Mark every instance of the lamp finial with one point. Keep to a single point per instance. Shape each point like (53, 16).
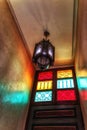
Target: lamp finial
(46, 33)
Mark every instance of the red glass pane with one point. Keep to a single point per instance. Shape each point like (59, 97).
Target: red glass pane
(66, 95)
(45, 75)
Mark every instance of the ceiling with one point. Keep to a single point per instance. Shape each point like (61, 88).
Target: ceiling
(57, 16)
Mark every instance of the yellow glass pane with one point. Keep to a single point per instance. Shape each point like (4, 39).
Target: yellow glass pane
(43, 85)
(64, 73)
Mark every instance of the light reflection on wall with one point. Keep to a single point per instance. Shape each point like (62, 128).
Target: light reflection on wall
(14, 93)
(16, 73)
(82, 83)
(16, 98)
(81, 75)
(82, 86)
(18, 82)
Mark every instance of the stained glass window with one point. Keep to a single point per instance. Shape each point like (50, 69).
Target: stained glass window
(43, 96)
(45, 75)
(65, 83)
(66, 95)
(65, 87)
(43, 85)
(64, 73)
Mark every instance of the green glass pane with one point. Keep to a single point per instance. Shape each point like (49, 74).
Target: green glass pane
(44, 96)
(65, 83)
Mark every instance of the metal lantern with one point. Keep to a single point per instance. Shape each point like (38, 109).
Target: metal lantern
(44, 53)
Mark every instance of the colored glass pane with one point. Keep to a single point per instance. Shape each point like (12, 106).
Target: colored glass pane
(43, 96)
(44, 85)
(64, 73)
(45, 75)
(66, 95)
(65, 83)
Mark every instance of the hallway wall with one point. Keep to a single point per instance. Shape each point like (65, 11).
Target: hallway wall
(81, 56)
(16, 73)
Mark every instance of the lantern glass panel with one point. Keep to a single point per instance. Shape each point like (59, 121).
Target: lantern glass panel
(38, 49)
(50, 51)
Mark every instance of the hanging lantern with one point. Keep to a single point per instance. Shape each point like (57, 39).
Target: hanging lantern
(44, 53)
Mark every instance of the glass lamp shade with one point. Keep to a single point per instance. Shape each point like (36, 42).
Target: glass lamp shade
(43, 54)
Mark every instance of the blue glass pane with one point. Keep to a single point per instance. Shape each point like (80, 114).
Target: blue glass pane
(65, 83)
(43, 96)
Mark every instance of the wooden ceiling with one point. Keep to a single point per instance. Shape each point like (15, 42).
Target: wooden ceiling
(57, 16)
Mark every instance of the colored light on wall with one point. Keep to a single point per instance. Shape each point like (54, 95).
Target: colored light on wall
(45, 75)
(14, 93)
(15, 86)
(44, 85)
(44, 96)
(83, 94)
(16, 98)
(26, 68)
(64, 73)
(65, 83)
(66, 95)
(82, 82)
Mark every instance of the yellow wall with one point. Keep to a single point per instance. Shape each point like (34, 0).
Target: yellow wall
(16, 73)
